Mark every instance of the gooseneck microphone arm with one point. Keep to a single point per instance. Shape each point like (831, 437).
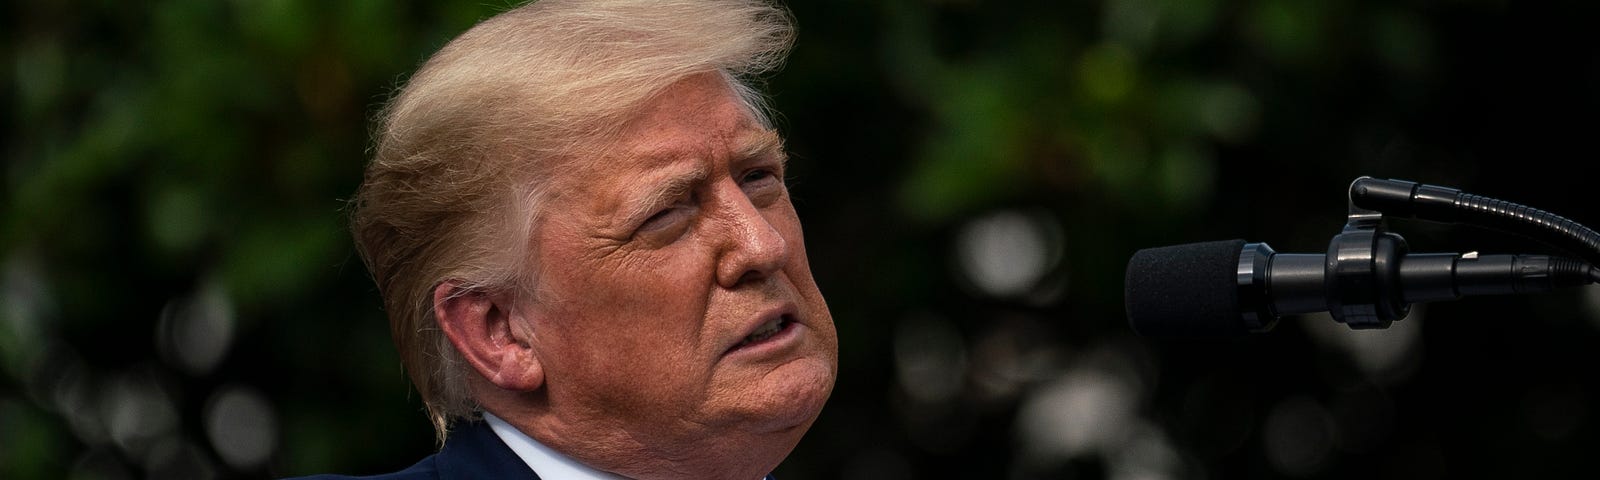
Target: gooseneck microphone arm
(1441, 204)
(1366, 279)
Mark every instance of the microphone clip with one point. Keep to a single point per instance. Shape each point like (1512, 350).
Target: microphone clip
(1362, 278)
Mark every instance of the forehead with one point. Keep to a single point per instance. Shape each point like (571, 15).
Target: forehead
(700, 110)
(699, 117)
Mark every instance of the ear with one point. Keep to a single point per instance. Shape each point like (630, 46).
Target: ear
(490, 334)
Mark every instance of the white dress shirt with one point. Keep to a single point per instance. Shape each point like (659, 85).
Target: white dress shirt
(549, 464)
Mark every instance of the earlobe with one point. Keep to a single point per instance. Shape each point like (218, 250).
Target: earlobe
(490, 334)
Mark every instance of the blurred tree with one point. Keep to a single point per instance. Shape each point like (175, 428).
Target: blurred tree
(179, 299)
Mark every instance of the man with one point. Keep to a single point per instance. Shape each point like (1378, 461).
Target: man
(577, 218)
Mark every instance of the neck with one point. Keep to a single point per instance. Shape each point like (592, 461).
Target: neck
(687, 453)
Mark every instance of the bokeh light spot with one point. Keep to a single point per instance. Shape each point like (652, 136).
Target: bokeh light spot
(1085, 411)
(137, 410)
(1007, 253)
(1147, 455)
(242, 426)
(195, 332)
(66, 385)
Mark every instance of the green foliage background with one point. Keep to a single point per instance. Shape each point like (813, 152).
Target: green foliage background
(164, 154)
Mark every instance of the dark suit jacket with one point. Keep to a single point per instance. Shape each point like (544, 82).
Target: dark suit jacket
(472, 451)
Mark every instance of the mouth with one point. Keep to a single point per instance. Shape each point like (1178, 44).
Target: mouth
(771, 332)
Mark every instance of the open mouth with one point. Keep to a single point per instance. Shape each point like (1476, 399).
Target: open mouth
(766, 331)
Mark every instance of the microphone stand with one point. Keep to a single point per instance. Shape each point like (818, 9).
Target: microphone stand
(1363, 260)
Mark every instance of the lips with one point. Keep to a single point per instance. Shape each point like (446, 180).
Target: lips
(770, 328)
(766, 331)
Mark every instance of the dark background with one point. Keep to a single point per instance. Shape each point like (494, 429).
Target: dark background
(179, 297)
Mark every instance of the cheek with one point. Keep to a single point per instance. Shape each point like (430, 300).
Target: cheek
(625, 361)
(619, 285)
(633, 315)
(655, 297)
(629, 332)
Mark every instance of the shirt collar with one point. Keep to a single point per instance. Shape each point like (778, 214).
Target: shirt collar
(549, 464)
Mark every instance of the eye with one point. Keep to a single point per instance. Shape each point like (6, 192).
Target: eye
(757, 175)
(663, 220)
(759, 178)
(762, 185)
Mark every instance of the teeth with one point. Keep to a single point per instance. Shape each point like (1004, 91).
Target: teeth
(766, 331)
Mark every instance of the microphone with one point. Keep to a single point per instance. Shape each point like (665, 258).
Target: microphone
(1230, 288)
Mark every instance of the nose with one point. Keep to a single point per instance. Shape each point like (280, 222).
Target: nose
(753, 248)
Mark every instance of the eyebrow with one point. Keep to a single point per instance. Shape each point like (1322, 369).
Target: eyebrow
(762, 144)
(665, 190)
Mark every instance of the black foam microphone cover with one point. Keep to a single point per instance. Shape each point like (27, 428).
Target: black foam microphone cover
(1185, 290)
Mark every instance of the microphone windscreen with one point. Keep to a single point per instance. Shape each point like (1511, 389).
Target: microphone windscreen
(1185, 290)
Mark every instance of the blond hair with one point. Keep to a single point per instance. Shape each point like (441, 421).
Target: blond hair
(453, 191)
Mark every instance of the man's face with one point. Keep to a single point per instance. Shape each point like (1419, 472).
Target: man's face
(675, 302)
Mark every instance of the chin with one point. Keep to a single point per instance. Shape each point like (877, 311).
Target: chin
(794, 395)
